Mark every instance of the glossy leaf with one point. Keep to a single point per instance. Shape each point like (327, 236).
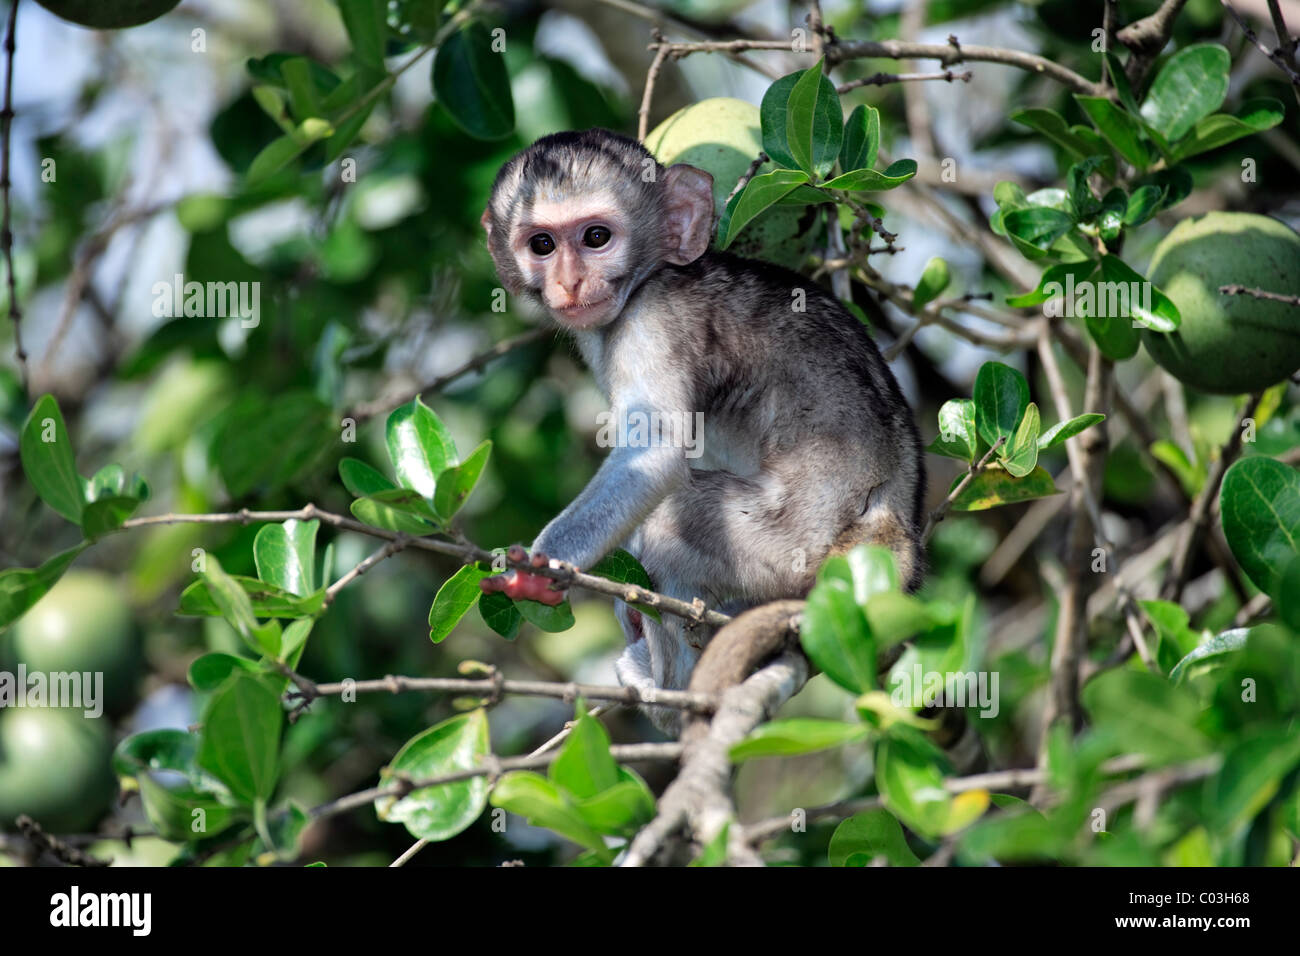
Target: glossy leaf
(419, 445)
(814, 122)
(50, 465)
(1001, 396)
(760, 193)
(458, 594)
(440, 812)
(1260, 504)
(456, 483)
(471, 83)
(1120, 129)
(285, 555)
(797, 735)
(861, 139)
(20, 588)
(993, 487)
(240, 740)
(934, 279)
(865, 836)
(1190, 86)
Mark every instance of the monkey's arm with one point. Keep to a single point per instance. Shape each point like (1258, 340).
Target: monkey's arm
(629, 484)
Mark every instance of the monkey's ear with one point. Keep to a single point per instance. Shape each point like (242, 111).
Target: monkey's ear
(486, 220)
(688, 213)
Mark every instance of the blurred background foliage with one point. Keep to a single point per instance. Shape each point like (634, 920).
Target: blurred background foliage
(379, 285)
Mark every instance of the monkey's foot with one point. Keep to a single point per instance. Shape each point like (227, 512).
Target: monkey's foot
(522, 586)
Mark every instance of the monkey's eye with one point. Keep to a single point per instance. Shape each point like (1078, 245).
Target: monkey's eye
(595, 237)
(542, 244)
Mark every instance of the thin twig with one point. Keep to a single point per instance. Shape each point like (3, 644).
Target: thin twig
(938, 513)
(560, 571)
(1260, 294)
(6, 227)
(884, 79)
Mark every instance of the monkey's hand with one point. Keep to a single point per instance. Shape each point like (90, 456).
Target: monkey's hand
(522, 586)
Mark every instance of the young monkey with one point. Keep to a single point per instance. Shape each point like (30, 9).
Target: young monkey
(807, 446)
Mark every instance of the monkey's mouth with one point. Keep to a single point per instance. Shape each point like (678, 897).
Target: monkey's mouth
(582, 312)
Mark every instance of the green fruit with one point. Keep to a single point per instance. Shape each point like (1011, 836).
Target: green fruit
(54, 767)
(83, 624)
(723, 136)
(1228, 343)
(108, 14)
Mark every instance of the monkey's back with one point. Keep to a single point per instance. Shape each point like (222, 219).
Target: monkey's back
(774, 348)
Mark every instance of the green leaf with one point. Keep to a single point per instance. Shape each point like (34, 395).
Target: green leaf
(1120, 129)
(1142, 205)
(441, 812)
(107, 514)
(1055, 281)
(1260, 504)
(1001, 396)
(861, 139)
(210, 671)
(621, 809)
(836, 638)
(1114, 335)
(859, 180)
(993, 487)
(46, 453)
(275, 156)
(402, 515)
(285, 555)
(772, 118)
(584, 766)
(957, 436)
(864, 837)
(621, 566)
(1252, 773)
(419, 445)
(1037, 226)
(236, 607)
(1191, 475)
(471, 83)
(1254, 116)
(797, 735)
(552, 618)
(20, 588)
(760, 193)
(541, 802)
(1146, 714)
(909, 776)
(456, 483)
(1059, 433)
(1221, 645)
(1119, 79)
(367, 26)
(361, 479)
(1020, 455)
(1190, 86)
(500, 614)
(240, 741)
(1176, 639)
(1084, 202)
(457, 595)
(814, 122)
(268, 600)
(1078, 140)
(934, 279)
(1159, 315)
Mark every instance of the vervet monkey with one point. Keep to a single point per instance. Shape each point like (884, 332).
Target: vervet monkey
(807, 446)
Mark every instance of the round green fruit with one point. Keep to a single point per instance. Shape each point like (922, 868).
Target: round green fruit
(1228, 343)
(54, 767)
(722, 136)
(108, 14)
(82, 624)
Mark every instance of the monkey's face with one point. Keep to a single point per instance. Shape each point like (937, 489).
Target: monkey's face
(575, 253)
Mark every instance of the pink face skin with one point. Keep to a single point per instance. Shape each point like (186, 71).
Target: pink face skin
(571, 255)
